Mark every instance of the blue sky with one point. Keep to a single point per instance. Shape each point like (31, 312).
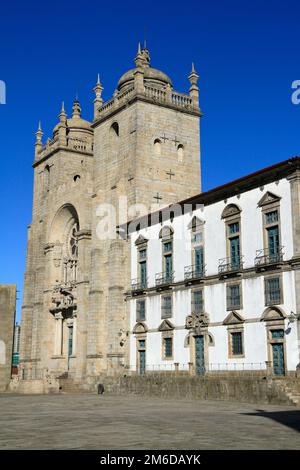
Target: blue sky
(246, 53)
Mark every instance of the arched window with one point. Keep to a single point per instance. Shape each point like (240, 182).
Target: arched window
(47, 178)
(180, 152)
(157, 147)
(115, 129)
(76, 178)
(114, 138)
(73, 240)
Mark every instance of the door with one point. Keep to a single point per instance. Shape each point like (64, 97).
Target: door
(199, 355)
(169, 267)
(235, 252)
(199, 260)
(273, 243)
(143, 274)
(70, 341)
(142, 357)
(278, 359)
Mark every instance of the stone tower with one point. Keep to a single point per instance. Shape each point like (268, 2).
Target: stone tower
(143, 147)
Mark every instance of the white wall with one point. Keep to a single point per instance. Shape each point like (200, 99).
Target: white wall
(255, 339)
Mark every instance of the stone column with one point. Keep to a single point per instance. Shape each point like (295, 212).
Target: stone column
(294, 180)
(82, 287)
(74, 334)
(58, 334)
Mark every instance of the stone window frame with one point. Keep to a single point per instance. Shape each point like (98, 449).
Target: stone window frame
(141, 244)
(138, 319)
(234, 307)
(170, 294)
(198, 289)
(273, 276)
(167, 238)
(274, 319)
(232, 214)
(140, 337)
(237, 328)
(165, 335)
(196, 226)
(269, 206)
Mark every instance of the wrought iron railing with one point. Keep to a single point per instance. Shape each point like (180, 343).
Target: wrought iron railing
(267, 256)
(138, 284)
(230, 264)
(194, 272)
(164, 278)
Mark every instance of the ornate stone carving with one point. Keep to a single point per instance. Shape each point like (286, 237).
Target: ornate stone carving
(197, 320)
(63, 298)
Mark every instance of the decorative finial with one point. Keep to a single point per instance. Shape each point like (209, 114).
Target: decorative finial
(139, 48)
(193, 77)
(76, 108)
(62, 115)
(98, 89)
(39, 134)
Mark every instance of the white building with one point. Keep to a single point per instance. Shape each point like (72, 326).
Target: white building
(216, 279)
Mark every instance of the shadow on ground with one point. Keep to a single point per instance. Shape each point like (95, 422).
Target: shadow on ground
(290, 419)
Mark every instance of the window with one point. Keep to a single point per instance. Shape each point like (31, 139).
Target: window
(272, 251)
(197, 246)
(142, 266)
(180, 152)
(232, 216)
(157, 147)
(273, 291)
(233, 228)
(166, 306)
(168, 260)
(73, 241)
(233, 297)
(236, 343)
(271, 217)
(167, 247)
(197, 301)
(141, 310)
(277, 334)
(168, 348)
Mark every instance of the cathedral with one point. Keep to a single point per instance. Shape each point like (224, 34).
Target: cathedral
(143, 145)
(132, 269)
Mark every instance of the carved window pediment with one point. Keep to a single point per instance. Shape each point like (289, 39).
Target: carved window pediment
(273, 313)
(166, 325)
(140, 327)
(268, 198)
(141, 240)
(230, 211)
(233, 318)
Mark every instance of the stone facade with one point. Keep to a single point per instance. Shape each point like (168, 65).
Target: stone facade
(7, 321)
(141, 146)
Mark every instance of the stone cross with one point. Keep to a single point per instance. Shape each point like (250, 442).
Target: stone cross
(170, 173)
(164, 137)
(157, 197)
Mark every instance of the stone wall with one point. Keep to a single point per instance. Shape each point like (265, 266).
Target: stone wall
(7, 321)
(241, 389)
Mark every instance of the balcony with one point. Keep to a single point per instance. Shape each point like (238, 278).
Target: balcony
(164, 279)
(138, 286)
(230, 266)
(268, 259)
(194, 273)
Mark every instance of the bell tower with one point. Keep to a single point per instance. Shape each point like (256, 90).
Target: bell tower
(147, 152)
